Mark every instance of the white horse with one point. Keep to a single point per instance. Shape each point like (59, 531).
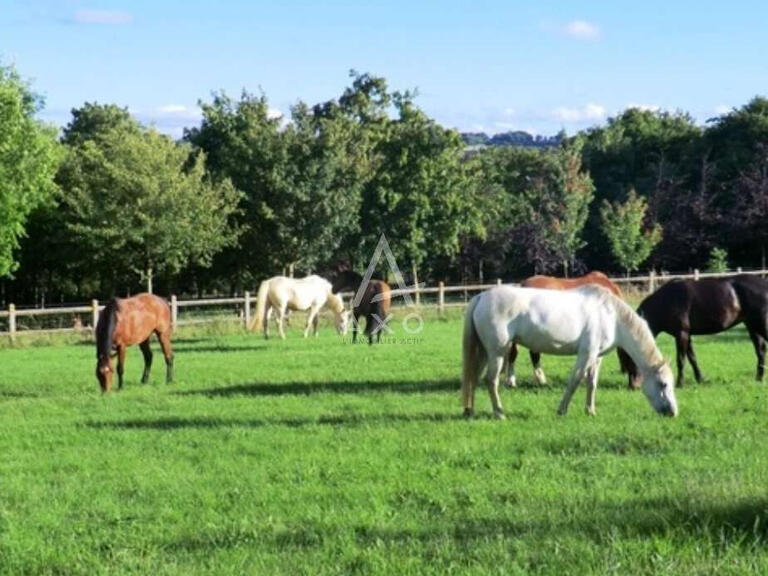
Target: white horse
(281, 293)
(586, 322)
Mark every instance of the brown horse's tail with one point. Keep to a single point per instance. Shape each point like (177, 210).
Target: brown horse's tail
(473, 356)
(261, 305)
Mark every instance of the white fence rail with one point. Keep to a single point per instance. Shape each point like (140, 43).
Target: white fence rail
(245, 303)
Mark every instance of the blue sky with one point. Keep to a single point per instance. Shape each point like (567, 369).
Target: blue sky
(488, 65)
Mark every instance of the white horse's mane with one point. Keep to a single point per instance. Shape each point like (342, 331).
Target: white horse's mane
(637, 327)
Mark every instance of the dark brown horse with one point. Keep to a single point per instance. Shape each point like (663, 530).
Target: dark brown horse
(374, 303)
(684, 308)
(127, 321)
(553, 283)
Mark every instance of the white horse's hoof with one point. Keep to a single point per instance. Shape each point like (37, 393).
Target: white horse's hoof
(591, 412)
(511, 382)
(499, 416)
(539, 375)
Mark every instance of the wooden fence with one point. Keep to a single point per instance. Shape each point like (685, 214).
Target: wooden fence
(244, 304)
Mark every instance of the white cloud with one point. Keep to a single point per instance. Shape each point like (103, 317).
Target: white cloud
(103, 17)
(273, 113)
(585, 113)
(722, 109)
(510, 112)
(645, 107)
(582, 30)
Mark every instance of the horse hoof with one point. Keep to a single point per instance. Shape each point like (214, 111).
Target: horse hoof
(468, 413)
(499, 415)
(511, 383)
(591, 412)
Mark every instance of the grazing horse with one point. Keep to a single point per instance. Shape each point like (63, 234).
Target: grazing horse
(587, 322)
(311, 293)
(552, 283)
(374, 303)
(683, 308)
(127, 321)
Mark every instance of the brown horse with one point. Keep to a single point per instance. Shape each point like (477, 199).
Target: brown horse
(374, 303)
(127, 321)
(552, 283)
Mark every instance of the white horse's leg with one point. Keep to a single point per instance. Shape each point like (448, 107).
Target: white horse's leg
(538, 373)
(267, 318)
(592, 371)
(577, 374)
(511, 358)
(311, 315)
(280, 317)
(316, 323)
(495, 366)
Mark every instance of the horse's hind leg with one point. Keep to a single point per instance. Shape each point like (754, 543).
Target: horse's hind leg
(538, 372)
(165, 344)
(120, 366)
(147, 352)
(681, 342)
(592, 372)
(689, 352)
(511, 381)
(577, 374)
(495, 366)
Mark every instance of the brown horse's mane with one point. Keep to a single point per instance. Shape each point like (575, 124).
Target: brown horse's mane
(105, 329)
(554, 283)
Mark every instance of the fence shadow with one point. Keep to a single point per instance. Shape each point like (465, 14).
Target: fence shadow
(205, 422)
(308, 388)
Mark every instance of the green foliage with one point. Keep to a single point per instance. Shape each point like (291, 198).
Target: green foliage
(718, 260)
(29, 156)
(135, 196)
(630, 242)
(253, 464)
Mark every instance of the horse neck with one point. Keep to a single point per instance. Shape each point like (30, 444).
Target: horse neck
(335, 302)
(634, 336)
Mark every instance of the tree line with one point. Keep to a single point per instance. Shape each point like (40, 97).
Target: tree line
(109, 206)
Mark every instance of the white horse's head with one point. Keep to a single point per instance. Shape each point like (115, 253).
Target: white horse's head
(342, 322)
(659, 388)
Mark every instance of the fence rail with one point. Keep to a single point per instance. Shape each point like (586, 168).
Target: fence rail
(245, 303)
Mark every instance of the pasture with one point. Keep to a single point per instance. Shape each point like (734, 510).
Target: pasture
(319, 457)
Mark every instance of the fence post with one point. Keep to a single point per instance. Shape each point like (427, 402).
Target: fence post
(174, 311)
(498, 281)
(94, 314)
(247, 309)
(696, 274)
(441, 298)
(12, 321)
(652, 282)
(738, 269)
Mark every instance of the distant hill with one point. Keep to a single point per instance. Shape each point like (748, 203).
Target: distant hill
(512, 138)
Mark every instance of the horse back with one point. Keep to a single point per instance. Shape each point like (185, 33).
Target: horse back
(139, 316)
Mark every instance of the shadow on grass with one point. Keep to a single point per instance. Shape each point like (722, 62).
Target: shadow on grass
(307, 388)
(182, 348)
(176, 423)
(11, 394)
(740, 524)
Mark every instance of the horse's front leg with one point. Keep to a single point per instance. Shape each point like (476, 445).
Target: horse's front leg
(310, 320)
(495, 367)
(280, 318)
(577, 374)
(120, 366)
(592, 372)
(267, 317)
(681, 343)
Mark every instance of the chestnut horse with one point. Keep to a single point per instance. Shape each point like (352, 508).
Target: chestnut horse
(552, 283)
(127, 321)
(373, 303)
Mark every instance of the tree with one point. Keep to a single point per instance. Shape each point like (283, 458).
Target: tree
(718, 260)
(133, 196)
(630, 243)
(29, 156)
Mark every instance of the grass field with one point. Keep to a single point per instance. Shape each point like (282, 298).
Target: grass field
(319, 457)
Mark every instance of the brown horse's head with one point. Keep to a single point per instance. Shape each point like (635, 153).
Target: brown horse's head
(104, 373)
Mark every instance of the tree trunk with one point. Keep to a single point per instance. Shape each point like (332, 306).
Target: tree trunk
(290, 269)
(149, 279)
(481, 271)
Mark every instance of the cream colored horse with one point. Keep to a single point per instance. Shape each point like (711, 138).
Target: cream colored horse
(281, 293)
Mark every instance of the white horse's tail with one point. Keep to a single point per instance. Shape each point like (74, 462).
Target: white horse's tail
(261, 306)
(473, 356)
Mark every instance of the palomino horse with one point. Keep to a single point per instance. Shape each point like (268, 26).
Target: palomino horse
(587, 322)
(708, 306)
(127, 321)
(311, 293)
(552, 283)
(373, 303)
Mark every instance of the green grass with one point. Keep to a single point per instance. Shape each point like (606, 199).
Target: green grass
(319, 457)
